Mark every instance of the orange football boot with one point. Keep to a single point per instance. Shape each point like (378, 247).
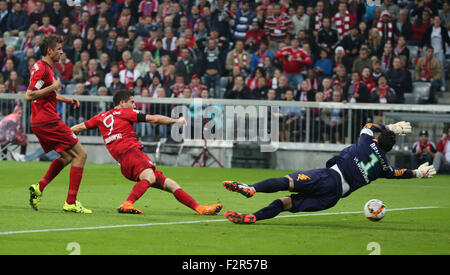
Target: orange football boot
(128, 208)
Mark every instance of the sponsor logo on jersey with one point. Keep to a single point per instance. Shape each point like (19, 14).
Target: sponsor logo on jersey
(303, 177)
(112, 138)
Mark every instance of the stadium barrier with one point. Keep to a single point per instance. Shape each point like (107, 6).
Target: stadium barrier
(276, 126)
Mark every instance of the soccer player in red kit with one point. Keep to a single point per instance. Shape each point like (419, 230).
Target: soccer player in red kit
(51, 131)
(116, 126)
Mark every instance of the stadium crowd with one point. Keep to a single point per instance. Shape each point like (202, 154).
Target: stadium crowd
(301, 50)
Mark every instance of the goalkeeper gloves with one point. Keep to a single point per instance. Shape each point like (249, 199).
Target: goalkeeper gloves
(425, 171)
(400, 128)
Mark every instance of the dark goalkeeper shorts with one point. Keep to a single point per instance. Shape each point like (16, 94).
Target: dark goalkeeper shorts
(317, 189)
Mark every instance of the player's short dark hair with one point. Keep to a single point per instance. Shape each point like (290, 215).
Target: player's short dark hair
(121, 95)
(386, 140)
(49, 42)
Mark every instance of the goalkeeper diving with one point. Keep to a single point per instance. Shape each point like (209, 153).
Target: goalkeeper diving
(320, 189)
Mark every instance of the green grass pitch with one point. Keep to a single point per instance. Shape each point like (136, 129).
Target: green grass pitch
(168, 227)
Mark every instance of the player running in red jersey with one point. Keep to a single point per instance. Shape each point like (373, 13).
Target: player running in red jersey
(51, 131)
(116, 126)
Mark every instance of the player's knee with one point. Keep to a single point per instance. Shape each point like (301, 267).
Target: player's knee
(287, 203)
(171, 185)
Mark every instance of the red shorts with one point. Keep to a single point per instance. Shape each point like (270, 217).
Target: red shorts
(55, 136)
(134, 162)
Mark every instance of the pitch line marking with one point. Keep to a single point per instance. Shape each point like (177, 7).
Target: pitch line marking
(193, 222)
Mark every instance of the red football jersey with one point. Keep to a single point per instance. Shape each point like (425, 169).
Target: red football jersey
(43, 110)
(116, 126)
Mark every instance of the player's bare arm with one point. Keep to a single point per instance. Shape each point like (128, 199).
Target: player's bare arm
(36, 94)
(76, 129)
(75, 103)
(163, 120)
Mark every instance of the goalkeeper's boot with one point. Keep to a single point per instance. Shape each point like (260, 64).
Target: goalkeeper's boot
(35, 196)
(128, 208)
(236, 186)
(77, 207)
(236, 217)
(209, 209)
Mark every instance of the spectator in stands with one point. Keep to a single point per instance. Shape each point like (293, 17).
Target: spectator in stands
(444, 14)
(196, 86)
(278, 27)
(7, 69)
(323, 65)
(13, 82)
(376, 70)
(293, 59)
(305, 92)
(65, 68)
(385, 27)
(92, 70)
(387, 58)
(342, 20)
(130, 74)
(428, 69)
(367, 79)
(213, 70)
(375, 42)
(239, 90)
(362, 61)
(383, 93)
(423, 150)
(342, 77)
(341, 58)
(116, 84)
(438, 38)
(326, 89)
(177, 88)
(441, 159)
(81, 67)
(9, 55)
(399, 79)
(401, 48)
(238, 57)
(402, 25)
(17, 23)
(158, 52)
(327, 36)
(243, 20)
(4, 13)
(46, 27)
(253, 37)
(351, 42)
(333, 119)
(186, 66)
(291, 116)
(300, 20)
(357, 90)
(74, 54)
(419, 28)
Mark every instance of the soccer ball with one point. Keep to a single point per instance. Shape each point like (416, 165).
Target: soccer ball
(374, 210)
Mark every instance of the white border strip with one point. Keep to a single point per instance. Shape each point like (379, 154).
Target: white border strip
(193, 222)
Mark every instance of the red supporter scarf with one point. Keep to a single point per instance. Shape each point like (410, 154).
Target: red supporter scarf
(342, 23)
(236, 59)
(427, 69)
(381, 26)
(428, 145)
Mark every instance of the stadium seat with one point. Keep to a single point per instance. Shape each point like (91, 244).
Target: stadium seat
(11, 41)
(422, 90)
(70, 89)
(411, 98)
